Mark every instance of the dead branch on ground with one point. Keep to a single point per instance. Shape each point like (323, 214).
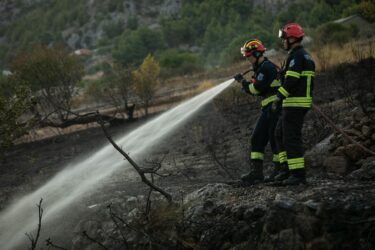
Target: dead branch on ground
(49, 243)
(142, 172)
(84, 233)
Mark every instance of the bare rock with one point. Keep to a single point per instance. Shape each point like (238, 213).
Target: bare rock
(357, 115)
(370, 97)
(307, 226)
(322, 149)
(366, 131)
(284, 202)
(340, 151)
(289, 239)
(217, 191)
(319, 244)
(336, 164)
(367, 143)
(373, 137)
(367, 170)
(353, 132)
(354, 152)
(365, 121)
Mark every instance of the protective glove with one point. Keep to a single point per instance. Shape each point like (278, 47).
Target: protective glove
(276, 104)
(239, 77)
(245, 86)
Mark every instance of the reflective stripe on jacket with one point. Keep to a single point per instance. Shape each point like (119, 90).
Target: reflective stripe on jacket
(298, 82)
(265, 83)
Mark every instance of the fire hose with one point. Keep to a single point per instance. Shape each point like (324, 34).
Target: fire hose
(317, 110)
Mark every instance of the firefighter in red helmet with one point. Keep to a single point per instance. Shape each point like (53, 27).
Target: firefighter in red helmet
(263, 84)
(295, 98)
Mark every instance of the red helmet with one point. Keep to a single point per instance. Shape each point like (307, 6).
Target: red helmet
(252, 46)
(291, 30)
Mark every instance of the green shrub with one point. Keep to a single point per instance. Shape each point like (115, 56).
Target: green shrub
(113, 28)
(334, 33)
(132, 48)
(179, 62)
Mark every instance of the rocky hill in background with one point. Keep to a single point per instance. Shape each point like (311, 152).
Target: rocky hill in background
(93, 16)
(183, 35)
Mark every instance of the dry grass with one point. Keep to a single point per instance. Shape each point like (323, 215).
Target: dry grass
(203, 86)
(330, 55)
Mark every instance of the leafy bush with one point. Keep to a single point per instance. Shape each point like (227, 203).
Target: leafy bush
(132, 22)
(335, 33)
(113, 28)
(179, 62)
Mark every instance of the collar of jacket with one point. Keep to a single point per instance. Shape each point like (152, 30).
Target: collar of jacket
(260, 65)
(295, 49)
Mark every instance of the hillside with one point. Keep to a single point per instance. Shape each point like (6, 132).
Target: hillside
(117, 28)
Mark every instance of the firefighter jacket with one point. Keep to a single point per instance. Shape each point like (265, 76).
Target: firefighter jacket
(264, 82)
(298, 80)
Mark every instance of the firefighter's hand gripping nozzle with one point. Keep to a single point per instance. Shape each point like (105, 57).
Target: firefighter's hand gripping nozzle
(239, 77)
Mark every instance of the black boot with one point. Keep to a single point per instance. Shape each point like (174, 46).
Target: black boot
(255, 175)
(296, 177)
(275, 172)
(283, 173)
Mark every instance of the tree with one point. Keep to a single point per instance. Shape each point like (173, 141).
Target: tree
(118, 88)
(124, 84)
(147, 81)
(133, 47)
(15, 101)
(52, 73)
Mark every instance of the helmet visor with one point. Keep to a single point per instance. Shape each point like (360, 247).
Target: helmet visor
(245, 52)
(281, 34)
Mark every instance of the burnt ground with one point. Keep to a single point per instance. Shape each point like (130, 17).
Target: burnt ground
(211, 148)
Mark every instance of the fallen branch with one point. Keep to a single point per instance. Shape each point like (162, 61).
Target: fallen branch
(84, 233)
(80, 119)
(139, 170)
(49, 243)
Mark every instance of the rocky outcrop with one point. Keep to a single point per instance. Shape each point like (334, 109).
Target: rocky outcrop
(328, 215)
(340, 156)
